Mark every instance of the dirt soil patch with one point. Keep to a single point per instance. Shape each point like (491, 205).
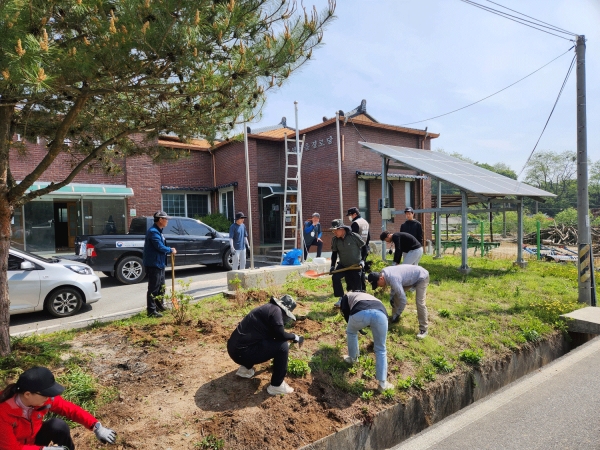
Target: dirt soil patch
(177, 386)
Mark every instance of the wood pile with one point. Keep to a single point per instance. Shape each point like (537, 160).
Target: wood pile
(562, 235)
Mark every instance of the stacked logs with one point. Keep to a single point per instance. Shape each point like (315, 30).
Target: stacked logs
(562, 235)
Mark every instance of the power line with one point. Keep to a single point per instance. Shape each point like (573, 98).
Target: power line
(553, 107)
(491, 95)
(537, 20)
(517, 19)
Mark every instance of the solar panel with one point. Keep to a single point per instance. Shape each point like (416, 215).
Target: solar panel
(462, 174)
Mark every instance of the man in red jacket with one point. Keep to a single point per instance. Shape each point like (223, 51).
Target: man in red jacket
(23, 406)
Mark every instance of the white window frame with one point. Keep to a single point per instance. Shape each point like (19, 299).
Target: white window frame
(407, 193)
(223, 207)
(185, 199)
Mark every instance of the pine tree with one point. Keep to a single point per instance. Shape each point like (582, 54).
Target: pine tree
(93, 73)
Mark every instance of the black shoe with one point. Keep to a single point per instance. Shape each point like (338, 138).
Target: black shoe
(161, 306)
(155, 314)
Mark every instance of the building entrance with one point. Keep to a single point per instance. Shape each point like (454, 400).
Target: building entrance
(270, 218)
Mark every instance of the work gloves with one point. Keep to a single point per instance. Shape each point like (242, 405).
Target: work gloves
(104, 435)
(362, 264)
(56, 447)
(331, 269)
(299, 340)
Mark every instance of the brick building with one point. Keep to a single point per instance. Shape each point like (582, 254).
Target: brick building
(213, 179)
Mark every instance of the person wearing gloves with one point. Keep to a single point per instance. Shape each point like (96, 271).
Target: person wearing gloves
(363, 310)
(398, 278)
(312, 235)
(261, 336)
(23, 406)
(348, 247)
(405, 245)
(238, 240)
(155, 262)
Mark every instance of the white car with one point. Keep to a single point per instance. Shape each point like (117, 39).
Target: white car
(59, 286)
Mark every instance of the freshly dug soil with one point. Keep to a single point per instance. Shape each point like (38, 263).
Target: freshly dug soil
(177, 387)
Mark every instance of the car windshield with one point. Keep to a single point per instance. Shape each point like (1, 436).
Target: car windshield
(52, 259)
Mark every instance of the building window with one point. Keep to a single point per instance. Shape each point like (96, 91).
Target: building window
(408, 194)
(363, 200)
(226, 206)
(186, 205)
(390, 197)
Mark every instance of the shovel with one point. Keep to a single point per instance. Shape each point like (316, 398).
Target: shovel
(173, 298)
(315, 274)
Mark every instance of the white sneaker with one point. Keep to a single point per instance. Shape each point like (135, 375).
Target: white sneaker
(383, 385)
(350, 360)
(422, 334)
(280, 390)
(245, 373)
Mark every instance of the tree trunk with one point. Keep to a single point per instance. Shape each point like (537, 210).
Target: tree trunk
(6, 115)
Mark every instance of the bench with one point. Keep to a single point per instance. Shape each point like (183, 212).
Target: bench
(471, 243)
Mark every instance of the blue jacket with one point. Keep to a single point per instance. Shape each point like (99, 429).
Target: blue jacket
(155, 250)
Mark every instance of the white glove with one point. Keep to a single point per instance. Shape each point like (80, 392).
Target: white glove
(104, 435)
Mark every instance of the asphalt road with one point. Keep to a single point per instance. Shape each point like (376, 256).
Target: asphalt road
(119, 301)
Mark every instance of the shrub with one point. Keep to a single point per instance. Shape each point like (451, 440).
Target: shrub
(216, 220)
(441, 364)
(471, 356)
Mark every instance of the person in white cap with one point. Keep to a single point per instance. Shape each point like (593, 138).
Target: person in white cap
(260, 337)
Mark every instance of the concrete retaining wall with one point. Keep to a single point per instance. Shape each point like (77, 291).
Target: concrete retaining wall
(431, 405)
(267, 276)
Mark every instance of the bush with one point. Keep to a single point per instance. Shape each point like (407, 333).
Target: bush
(298, 368)
(469, 356)
(216, 220)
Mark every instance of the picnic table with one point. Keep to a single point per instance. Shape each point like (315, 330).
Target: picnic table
(471, 243)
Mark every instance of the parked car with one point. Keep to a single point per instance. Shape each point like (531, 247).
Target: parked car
(120, 256)
(59, 286)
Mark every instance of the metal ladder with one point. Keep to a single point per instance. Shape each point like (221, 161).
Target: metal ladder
(292, 200)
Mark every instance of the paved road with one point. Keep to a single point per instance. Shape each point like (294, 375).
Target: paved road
(555, 407)
(119, 300)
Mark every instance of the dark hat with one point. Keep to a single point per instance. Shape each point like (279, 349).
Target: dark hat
(373, 278)
(408, 209)
(161, 215)
(287, 303)
(239, 215)
(40, 381)
(316, 215)
(384, 234)
(337, 223)
(353, 210)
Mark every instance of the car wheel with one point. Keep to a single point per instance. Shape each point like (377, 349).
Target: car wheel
(227, 260)
(108, 274)
(130, 270)
(63, 302)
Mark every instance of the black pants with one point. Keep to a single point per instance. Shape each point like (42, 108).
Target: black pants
(308, 245)
(156, 287)
(263, 352)
(353, 281)
(56, 431)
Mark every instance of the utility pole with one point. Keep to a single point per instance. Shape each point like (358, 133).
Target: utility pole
(585, 264)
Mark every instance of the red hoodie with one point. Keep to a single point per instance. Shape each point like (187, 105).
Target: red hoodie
(18, 433)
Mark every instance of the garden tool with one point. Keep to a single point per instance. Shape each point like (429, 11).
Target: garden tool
(315, 274)
(173, 298)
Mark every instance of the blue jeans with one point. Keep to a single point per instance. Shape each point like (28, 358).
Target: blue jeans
(379, 324)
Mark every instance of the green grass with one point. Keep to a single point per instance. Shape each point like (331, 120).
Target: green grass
(495, 309)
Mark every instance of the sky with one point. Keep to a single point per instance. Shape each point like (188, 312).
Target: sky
(416, 59)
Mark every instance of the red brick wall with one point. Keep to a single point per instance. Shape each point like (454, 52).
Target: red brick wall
(143, 176)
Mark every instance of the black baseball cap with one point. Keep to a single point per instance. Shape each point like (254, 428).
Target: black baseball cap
(408, 209)
(373, 278)
(239, 215)
(353, 210)
(39, 380)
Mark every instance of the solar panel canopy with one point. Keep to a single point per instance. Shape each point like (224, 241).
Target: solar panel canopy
(462, 174)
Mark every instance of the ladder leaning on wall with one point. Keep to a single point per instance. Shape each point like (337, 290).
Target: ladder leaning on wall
(291, 230)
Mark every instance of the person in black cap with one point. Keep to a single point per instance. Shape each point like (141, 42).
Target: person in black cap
(348, 246)
(405, 246)
(361, 227)
(155, 262)
(412, 226)
(23, 406)
(238, 241)
(261, 336)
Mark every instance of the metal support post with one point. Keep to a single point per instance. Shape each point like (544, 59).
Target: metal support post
(249, 196)
(383, 196)
(464, 268)
(438, 215)
(520, 261)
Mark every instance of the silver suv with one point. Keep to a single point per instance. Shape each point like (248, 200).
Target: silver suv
(59, 286)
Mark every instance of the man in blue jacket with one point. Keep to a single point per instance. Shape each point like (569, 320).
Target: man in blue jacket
(312, 235)
(155, 261)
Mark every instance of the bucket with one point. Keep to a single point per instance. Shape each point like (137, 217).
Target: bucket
(319, 260)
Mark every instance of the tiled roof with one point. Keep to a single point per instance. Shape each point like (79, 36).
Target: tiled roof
(175, 142)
